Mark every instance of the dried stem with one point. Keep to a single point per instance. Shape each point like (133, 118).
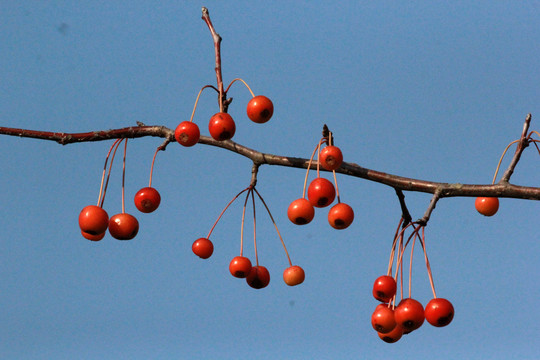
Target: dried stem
(522, 144)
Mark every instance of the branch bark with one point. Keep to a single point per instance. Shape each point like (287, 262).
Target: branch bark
(503, 189)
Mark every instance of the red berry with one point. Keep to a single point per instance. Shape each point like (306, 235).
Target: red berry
(321, 192)
(294, 275)
(340, 216)
(382, 319)
(384, 288)
(301, 212)
(147, 199)
(123, 226)
(260, 109)
(187, 133)
(203, 248)
(222, 126)
(331, 157)
(240, 266)
(93, 237)
(93, 220)
(392, 336)
(409, 314)
(258, 277)
(487, 206)
(439, 312)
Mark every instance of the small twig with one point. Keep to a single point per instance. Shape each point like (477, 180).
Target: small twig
(432, 204)
(254, 171)
(522, 144)
(406, 216)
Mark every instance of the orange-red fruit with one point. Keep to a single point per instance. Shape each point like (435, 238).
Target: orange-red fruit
(439, 312)
(187, 133)
(203, 248)
(392, 336)
(340, 216)
(221, 126)
(331, 157)
(123, 226)
(487, 206)
(384, 288)
(147, 199)
(93, 220)
(301, 212)
(260, 109)
(409, 314)
(240, 266)
(382, 319)
(321, 192)
(258, 277)
(294, 275)
(93, 237)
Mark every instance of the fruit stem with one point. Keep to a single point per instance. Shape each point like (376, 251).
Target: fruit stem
(393, 251)
(124, 177)
(337, 189)
(275, 225)
(152, 166)
(254, 228)
(501, 159)
(197, 100)
(307, 171)
(223, 211)
(99, 203)
(118, 142)
(242, 225)
(239, 79)
(428, 266)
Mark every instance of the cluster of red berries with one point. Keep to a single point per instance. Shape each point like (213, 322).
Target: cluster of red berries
(222, 126)
(257, 276)
(391, 322)
(94, 220)
(321, 192)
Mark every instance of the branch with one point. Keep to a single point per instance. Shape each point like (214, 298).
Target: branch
(501, 190)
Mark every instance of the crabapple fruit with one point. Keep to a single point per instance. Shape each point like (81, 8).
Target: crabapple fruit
(147, 199)
(240, 266)
(382, 319)
(331, 157)
(258, 277)
(123, 226)
(91, 237)
(392, 336)
(93, 220)
(187, 133)
(409, 314)
(301, 212)
(221, 126)
(439, 312)
(340, 216)
(203, 248)
(487, 206)
(321, 192)
(260, 109)
(294, 275)
(384, 288)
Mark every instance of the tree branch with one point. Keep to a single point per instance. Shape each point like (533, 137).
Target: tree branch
(501, 190)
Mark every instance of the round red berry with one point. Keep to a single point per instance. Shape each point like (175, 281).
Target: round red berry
(384, 288)
(301, 212)
(392, 336)
(439, 312)
(321, 192)
(221, 126)
(382, 319)
(147, 199)
(340, 216)
(203, 248)
(240, 266)
(294, 275)
(409, 314)
(91, 237)
(487, 206)
(260, 109)
(123, 226)
(331, 157)
(93, 220)
(258, 277)
(187, 133)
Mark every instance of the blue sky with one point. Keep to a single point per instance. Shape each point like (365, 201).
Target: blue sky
(430, 90)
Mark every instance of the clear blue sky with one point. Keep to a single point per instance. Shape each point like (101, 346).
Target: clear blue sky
(426, 90)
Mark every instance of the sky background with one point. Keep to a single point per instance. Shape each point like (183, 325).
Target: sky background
(429, 90)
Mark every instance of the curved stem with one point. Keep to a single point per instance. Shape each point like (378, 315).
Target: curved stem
(223, 211)
(245, 83)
